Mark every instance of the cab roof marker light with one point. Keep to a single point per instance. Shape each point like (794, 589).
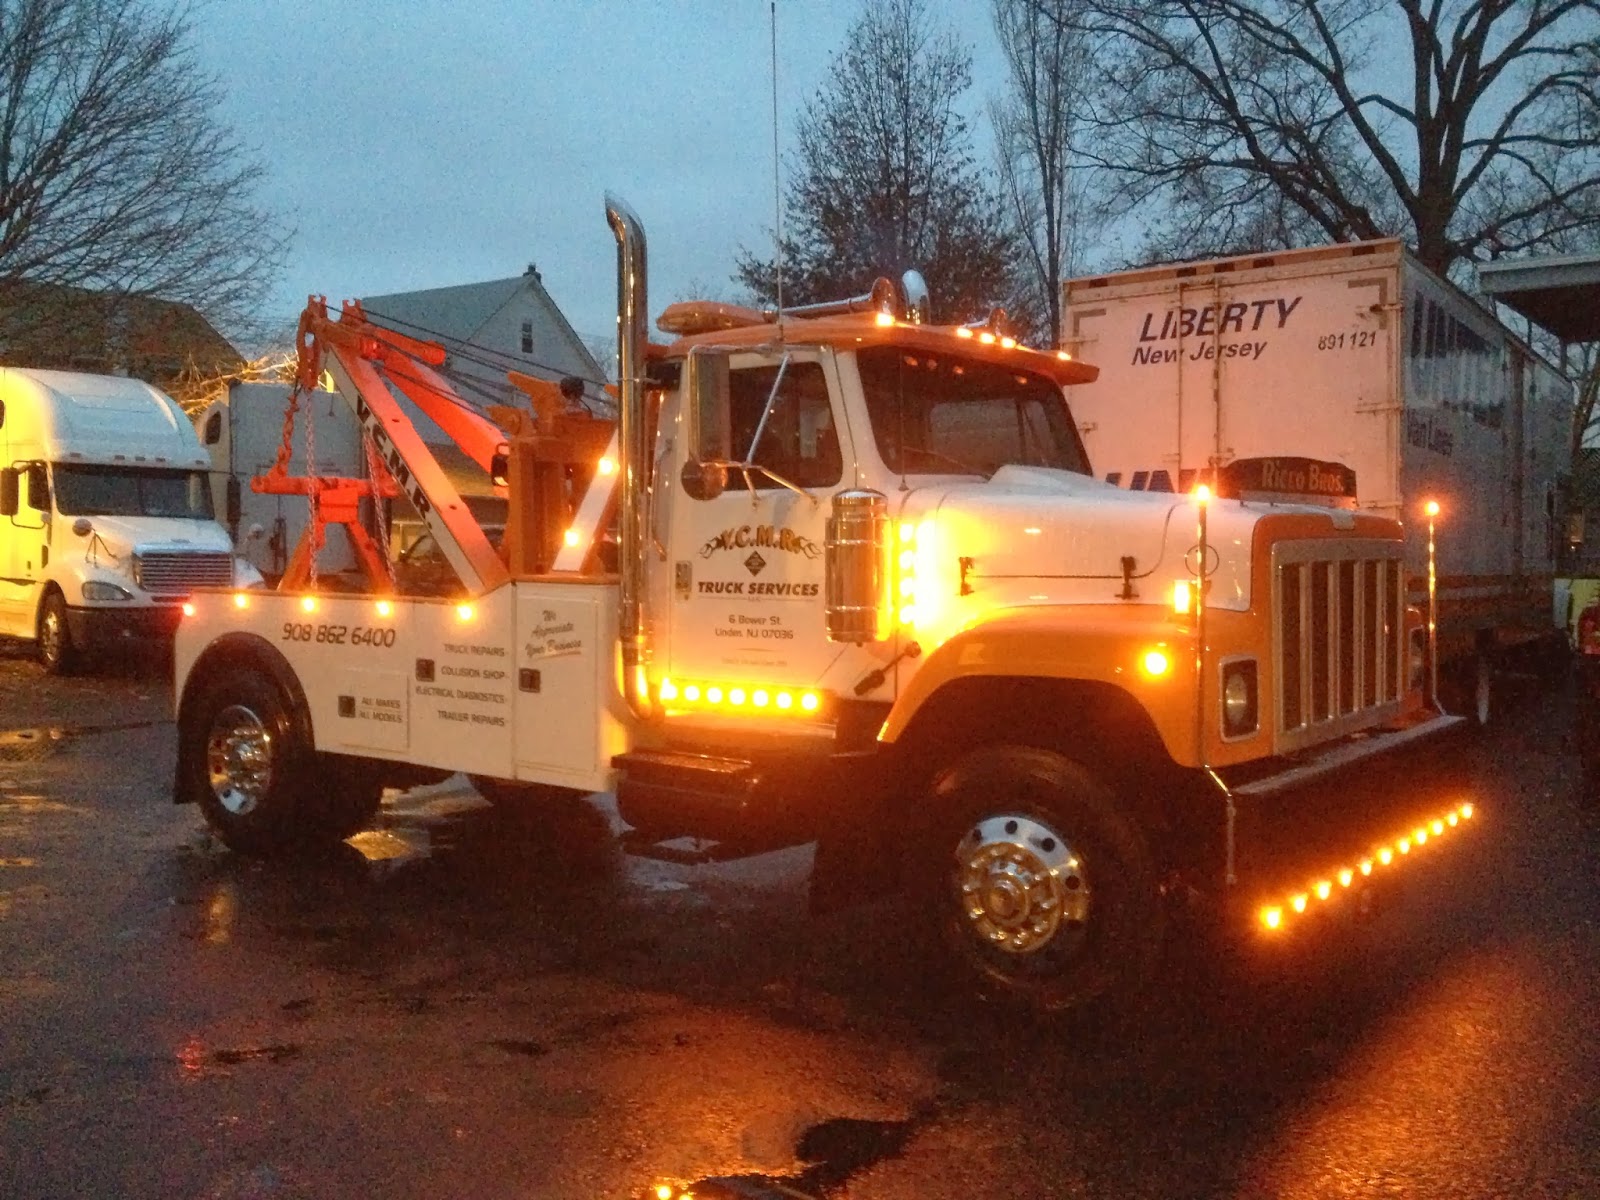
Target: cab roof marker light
(987, 338)
(1466, 811)
(963, 332)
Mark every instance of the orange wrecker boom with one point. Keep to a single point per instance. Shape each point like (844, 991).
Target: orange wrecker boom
(531, 457)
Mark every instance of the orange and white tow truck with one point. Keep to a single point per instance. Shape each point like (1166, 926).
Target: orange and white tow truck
(865, 593)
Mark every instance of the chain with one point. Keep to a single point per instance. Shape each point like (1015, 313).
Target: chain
(311, 494)
(380, 527)
(286, 447)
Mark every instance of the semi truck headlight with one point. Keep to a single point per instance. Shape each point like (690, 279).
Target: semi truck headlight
(1240, 707)
(98, 591)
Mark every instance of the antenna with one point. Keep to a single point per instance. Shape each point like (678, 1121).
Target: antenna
(777, 173)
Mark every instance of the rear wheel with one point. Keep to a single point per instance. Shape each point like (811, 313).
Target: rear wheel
(258, 782)
(57, 653)
(1043, 890)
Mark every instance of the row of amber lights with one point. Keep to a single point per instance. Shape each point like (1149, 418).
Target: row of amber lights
(309, 604)
(1272, 916)
(913, 538)
(733, 695)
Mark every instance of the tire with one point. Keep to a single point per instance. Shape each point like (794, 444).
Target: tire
(1043, 893)
(250, 765)
(57, 654)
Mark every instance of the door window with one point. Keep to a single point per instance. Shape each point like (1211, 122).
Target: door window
(798, 440)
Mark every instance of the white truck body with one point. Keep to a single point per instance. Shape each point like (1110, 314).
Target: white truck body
(1350, 353)
(242, 435)
(110, 522)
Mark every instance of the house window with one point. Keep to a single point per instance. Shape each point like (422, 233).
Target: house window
(527, 337)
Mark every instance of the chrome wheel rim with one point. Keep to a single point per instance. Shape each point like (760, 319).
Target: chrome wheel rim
(50, 635)
(238, 759)
(1021, 886)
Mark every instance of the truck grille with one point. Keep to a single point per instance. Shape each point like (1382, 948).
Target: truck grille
(175, 572)
(1338, 622)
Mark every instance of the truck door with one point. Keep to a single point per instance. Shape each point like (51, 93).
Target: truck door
(746, 563)
(22, 543)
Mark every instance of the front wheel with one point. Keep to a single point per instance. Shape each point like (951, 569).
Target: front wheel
(57, 653)
(1043, 890)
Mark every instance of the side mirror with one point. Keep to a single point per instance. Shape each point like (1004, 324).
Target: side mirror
(707, 408)
(81, 527)
(8, 491)
(38, 487)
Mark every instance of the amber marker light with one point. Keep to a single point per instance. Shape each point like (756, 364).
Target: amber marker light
(385, 608)
(1063, 356)
(570, 537)
(240, 600)
(1324, 890)
(809, 701)
(736, 696)
(663, 1192)
(1454, 819)
(608, 466)
(1405, 846)
(1009, 343)
(1431, 508)
(714, 695)
(464, 611)
(1202, 494)
(1181, 597)
(1466, 812)
(188, 610)
(691, 692)
(884, 320)
(963, 332)
(1346, 877)
(785, 701)
(1272, 916)
(986, 338)
(1156, 663)
(759, 698)
(1386, 856)
(1299, 902)
(308, 604)
(1366, 866)
(669, 690)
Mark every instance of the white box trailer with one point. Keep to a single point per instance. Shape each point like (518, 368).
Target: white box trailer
(1356, 354)
(242, 435)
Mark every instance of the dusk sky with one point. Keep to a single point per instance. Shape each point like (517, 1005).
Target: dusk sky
(420, 144)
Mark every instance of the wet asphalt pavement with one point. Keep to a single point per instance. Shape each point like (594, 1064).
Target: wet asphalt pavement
(470, 1003)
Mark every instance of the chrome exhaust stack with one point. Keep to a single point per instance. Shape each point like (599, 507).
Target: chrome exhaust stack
(632, 336)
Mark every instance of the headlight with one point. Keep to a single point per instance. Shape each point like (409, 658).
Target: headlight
(1240, 710)
(1416, 661)
(100, 591)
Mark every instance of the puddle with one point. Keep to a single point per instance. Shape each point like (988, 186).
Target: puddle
(836, 1149)
(196, 1062)
(28, 745)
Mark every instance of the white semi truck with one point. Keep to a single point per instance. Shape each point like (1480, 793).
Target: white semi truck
(864, 592)
(106, 522)
(1353, 353)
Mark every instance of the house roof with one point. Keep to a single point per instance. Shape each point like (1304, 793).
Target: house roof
(57, 325)
(1560, 294)
(460, 313)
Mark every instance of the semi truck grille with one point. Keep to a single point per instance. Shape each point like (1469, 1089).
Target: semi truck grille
(176, 572)
(1338, 621)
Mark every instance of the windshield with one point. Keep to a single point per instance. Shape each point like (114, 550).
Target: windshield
(100, 491)
(939, 414)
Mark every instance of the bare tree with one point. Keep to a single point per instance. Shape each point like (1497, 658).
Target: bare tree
(1471, 127)
(1036, 123)
(116, 177)
(884, 177)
